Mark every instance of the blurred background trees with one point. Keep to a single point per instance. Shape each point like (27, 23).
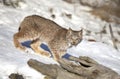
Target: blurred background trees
(12, 3)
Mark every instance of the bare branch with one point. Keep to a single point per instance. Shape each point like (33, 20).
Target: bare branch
(112, 37)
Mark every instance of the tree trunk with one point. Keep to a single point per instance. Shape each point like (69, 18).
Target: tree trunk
(79, 68)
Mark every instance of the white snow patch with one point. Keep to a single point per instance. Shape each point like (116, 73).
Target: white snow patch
(13, 60)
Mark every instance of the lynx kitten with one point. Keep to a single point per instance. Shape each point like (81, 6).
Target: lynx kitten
(39, 30)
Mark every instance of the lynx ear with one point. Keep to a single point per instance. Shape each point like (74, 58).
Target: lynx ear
(70, 31)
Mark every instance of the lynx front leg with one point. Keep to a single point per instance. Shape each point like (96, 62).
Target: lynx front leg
(57, 54)
(35, 45)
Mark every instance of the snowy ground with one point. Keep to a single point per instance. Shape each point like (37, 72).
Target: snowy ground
(13, 60)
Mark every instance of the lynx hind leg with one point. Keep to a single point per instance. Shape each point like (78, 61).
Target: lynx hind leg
(17, 38)
(35, 45)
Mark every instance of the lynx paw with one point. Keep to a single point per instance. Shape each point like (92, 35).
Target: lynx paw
(28, 50)
(44, 53)
(23, 48)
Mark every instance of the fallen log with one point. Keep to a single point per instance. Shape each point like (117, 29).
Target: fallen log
(52, 71)
(77, 68)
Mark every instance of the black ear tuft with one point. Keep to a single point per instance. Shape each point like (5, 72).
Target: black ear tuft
(80, 32)
(19, 28)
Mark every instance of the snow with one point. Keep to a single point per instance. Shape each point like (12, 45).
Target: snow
(13, 60)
